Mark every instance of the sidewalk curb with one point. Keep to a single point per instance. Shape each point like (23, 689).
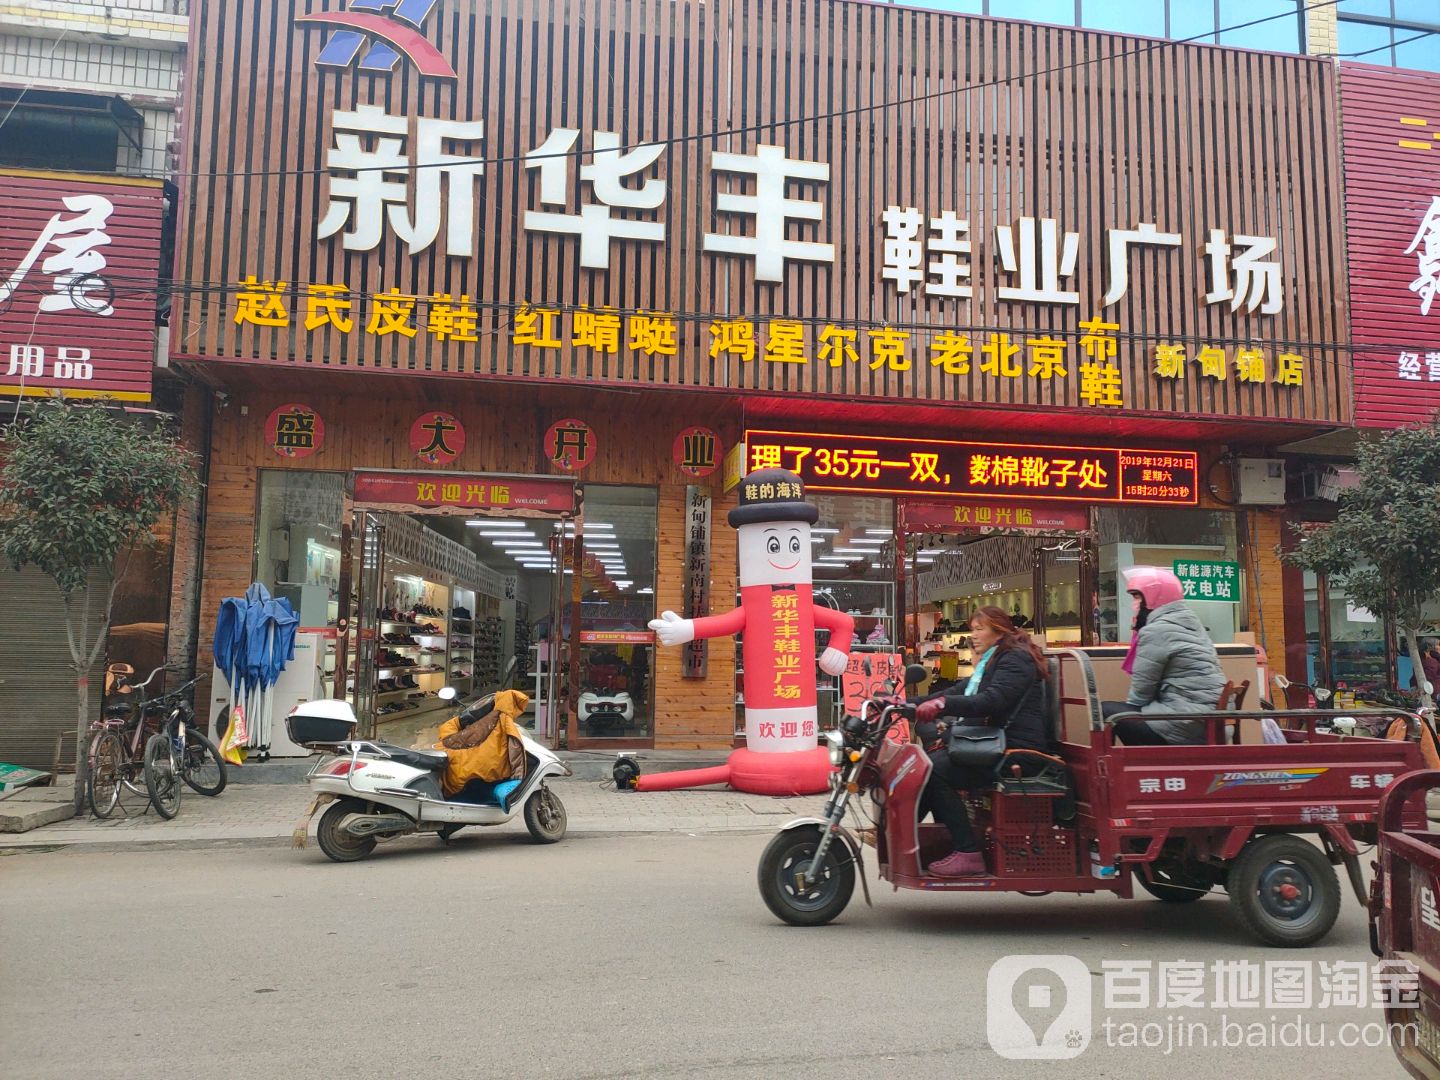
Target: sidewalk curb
(56, 842)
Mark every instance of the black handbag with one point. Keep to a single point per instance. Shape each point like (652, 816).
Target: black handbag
(975, 746)
(980, 746)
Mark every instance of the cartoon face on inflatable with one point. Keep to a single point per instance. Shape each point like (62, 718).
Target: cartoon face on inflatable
(774, 553)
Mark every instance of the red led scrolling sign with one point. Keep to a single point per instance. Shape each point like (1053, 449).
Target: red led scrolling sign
(862, 463)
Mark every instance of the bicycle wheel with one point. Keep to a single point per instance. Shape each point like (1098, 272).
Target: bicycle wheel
(201, 766)
(162, 779)
(102, 788)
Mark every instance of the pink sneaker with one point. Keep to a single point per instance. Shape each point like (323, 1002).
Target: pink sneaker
(959, 864)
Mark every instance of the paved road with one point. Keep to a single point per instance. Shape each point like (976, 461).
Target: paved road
(603, 957)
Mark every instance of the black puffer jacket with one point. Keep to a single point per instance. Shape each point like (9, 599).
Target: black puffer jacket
(1011, 695)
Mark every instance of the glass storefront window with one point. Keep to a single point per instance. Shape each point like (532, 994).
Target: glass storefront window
(617, 599)
(297, 540)
(1160, 536)
(1357, 644)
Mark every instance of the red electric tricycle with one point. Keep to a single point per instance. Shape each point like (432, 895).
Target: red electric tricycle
(1405, 921)
(1266, 822)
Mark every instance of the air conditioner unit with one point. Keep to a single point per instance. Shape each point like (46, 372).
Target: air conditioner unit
(1260, 481)
(1335, 480)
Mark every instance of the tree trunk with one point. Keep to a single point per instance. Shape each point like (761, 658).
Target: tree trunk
(82, 693)
(82, 739)
(1427, 693)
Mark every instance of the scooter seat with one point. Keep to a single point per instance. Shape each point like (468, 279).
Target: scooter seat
(433, 760)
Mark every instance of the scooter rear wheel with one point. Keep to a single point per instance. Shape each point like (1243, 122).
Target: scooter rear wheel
(545, 816)
(788, 856)
(334, 841)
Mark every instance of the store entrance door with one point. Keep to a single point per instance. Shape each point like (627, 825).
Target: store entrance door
(1037, 564)
(442, 583)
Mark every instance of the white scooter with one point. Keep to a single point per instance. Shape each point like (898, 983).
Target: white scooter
(602, 712)
(378, 791)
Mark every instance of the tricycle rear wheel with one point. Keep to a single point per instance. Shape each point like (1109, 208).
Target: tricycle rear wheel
(789, 855)
(1285, 890)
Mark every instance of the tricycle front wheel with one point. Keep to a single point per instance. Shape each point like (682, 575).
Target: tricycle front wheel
(1285, 890)
(786, 859)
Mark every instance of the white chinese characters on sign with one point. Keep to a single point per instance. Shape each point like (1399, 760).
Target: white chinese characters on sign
(1426, 249)
(76, 262)
(370, 143)
(1119, 241)
(1038, 255)
(1244, 278)
(71, 362)
(904, 252)
(1040, 268)
(771, 208)
(1408, 367)
(595, 225)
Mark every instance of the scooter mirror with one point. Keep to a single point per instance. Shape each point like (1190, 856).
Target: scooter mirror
(1429, 687)
(1282, 682)
(446, 693)
(915, 673)
(1321, 694)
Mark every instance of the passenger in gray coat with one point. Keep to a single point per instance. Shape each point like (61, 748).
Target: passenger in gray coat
(1173, 665)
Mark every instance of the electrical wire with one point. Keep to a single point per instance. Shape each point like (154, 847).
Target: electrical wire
(785, 123)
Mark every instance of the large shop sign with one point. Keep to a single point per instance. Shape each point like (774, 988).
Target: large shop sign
(1392, 202)
(966, 470)
(452, 226)
(78, 278)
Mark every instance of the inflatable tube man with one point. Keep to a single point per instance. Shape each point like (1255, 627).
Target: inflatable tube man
(777, 619)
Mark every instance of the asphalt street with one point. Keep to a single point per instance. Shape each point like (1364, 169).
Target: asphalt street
(601, 957)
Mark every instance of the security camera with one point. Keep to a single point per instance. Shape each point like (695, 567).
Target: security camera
(222, 398)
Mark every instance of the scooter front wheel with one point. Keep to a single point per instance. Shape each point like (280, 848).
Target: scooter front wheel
(334, 841)
(786, 859)
(545, 816)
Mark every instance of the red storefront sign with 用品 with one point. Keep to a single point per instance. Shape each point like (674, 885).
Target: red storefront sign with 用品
(430, 491)
(79, 276)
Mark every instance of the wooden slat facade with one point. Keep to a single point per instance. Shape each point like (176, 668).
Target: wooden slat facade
(1113, 132)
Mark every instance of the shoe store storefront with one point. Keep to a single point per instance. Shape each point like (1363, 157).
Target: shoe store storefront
(527, 557)
(1043, 358)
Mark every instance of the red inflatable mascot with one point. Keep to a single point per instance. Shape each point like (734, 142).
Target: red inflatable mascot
(777, 619)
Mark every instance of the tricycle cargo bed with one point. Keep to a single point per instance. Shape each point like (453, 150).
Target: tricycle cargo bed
(1332, 780)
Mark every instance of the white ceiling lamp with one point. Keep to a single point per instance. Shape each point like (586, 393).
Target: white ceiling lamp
(880, 532)
(488, 524)
(824, 532)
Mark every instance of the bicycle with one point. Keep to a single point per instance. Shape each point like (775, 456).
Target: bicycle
(179, 752)
(121, 737)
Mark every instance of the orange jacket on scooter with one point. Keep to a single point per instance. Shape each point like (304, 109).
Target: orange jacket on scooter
(488, 749)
